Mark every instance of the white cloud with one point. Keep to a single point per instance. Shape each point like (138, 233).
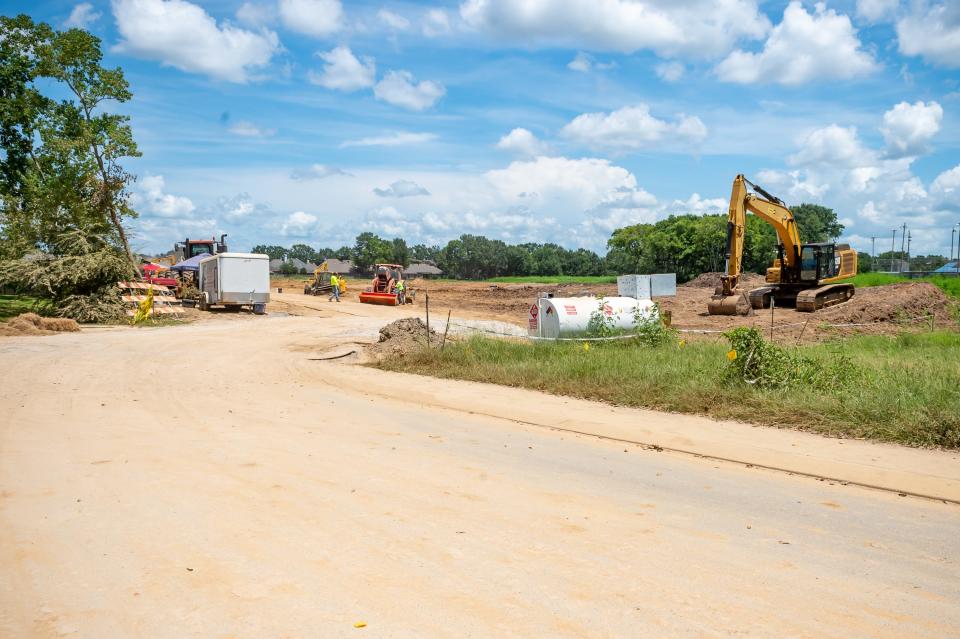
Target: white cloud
(256, 15)
(149, 197)
(401, 89)
(932, 31)
(876, 10)
(908, 128)
(523, 142)
(343, 71)
(834, 167)
(869, 212)
(298, 224)
(699, 205)
(182, 35)
(393, 20)
(318, 18)
(632, 128)
(401, 138)
(402, 188)
(317, 172)
(240, 208)
(832, 145)
(582, 62)
(82, 16)
(946, 189)
(583, 183)
(791, 185)
(250, 130)
(670, 71)
(435, 23)
(698, 28)
(802, 48)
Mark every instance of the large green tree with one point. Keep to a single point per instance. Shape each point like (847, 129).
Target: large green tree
(687, 245)
(401, 254)
(303, 252)
(816, 223)
(61, 167)
(275, 252)
(63, 190)
(370, 249)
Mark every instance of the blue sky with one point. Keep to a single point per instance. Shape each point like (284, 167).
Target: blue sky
(285, 121)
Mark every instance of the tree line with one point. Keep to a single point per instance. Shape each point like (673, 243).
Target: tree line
(684, 244)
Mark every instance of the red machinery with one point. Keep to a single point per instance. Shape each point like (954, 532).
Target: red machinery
(383, 287)
(158, 274)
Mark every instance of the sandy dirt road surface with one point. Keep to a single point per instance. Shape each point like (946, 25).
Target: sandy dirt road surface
(211, 480)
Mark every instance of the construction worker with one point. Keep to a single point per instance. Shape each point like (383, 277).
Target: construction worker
(401, 292)
(334, 288)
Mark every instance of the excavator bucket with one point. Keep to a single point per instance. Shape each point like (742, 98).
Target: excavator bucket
(723, 304)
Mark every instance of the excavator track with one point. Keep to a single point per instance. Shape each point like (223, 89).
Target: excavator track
(830, 295)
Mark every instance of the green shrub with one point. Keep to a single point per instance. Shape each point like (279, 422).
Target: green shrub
(756, 361)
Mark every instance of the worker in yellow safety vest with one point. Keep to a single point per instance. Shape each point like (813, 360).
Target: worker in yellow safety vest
(401, 292)
(334, 288)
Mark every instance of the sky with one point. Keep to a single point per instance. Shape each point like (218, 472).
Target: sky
(310, 121)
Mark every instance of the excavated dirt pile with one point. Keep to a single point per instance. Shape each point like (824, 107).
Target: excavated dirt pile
(896, 303)
(33, 324)
(712, 281)
(403, 336)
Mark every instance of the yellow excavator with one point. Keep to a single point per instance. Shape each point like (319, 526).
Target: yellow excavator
(806, 276)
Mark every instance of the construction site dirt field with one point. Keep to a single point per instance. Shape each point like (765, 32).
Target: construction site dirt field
(226, 478)
(873, 310)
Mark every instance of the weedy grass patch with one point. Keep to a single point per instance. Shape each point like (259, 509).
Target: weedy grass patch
(903, 389)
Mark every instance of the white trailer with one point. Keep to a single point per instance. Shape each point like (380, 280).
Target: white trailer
(233, 280)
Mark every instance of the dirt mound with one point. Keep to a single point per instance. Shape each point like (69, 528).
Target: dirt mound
(33, 324)
(704, 280)
(712, 280)
(403, 336)
(907, 302)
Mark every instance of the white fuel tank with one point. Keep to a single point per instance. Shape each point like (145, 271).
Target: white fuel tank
(555, 317)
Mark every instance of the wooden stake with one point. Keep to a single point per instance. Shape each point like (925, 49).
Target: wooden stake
(446, 330)
(427, 304)
(773, 305)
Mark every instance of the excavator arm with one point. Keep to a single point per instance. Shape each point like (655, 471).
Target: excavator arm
(768, 208)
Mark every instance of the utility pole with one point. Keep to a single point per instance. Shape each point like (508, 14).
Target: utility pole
(893, 247)
(903, 237)
(873, 249)
(909, 237)
(953, 232)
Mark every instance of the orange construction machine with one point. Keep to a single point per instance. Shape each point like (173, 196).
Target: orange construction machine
(387, 287)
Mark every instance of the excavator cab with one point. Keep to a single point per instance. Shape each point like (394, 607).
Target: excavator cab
(818, 262)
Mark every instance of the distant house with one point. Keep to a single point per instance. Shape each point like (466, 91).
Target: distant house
(299, 265)
(340, 267)
(424, 268)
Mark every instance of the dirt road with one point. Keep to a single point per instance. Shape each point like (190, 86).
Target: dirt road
(211, 480)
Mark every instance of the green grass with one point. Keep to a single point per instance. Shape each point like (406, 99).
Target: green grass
(555, 279)
(13, 305)
(949, 285)
(909, 392)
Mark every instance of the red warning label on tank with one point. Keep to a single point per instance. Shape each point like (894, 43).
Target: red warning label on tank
(534, 311)
(570, 309)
